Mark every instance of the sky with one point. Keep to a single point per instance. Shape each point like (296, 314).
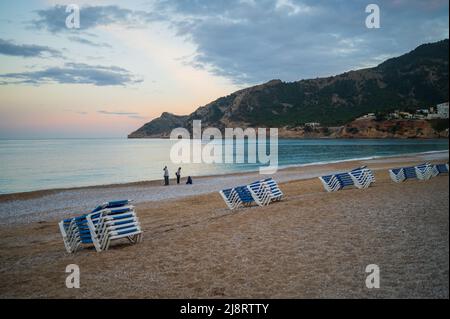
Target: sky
(132, 60)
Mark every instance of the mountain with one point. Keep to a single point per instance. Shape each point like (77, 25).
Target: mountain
(416, 79)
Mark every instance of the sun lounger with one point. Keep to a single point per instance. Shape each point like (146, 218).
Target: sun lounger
(265, 191)
(275, 191)
(76, 231)
(397, 175)
(245, 197)
(422, 172)
(262, 193)
(439, 169)
(112, 224)
(361, 177)
(237, 197)
(229, 197)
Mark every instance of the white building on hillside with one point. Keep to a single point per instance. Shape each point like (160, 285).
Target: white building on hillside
(312, 125)
(442, 110)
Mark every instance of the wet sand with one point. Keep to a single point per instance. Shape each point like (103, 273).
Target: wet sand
(313, 244)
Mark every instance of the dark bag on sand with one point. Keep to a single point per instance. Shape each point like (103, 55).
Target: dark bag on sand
(189, 181)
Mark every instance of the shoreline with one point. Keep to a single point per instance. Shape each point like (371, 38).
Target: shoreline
(25, 208)
(158, 182)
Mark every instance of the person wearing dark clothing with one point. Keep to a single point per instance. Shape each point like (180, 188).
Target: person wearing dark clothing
(189, 181)
(178, 174)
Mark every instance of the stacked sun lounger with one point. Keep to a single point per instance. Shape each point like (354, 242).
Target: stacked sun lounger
(440, 169)
(423, 171)
(114, 223)
(75, 233)
(361, 177)
(265, 191)
(261, 192)
(107, 222)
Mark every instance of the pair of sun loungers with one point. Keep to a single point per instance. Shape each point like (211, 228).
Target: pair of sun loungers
(261, 192)
(361, 178)
(267, 191)
(108, 222)
(422, 172)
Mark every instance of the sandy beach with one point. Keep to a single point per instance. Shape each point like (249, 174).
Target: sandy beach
(312, 244)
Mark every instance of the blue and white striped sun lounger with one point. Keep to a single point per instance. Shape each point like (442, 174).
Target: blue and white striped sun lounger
(265, 191)
(423, 172)
(112, 224)
(237, 197)
(77, 231)
(230, 197)
(262, 193)
(361, 177)
(397, 175)
(440, 169)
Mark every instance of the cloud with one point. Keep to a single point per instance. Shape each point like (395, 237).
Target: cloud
(73, 73)
(292, 7)
(131, 115)
(54, 19)
(27, 50)
(117, 113)
(255, 41)
(77, 112)
(89, 42)
(252, 41)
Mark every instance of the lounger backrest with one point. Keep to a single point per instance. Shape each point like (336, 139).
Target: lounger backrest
(227, 192)
(273, 186)
(327, 178)
(345, 179)
(244, 194)
(255, 185)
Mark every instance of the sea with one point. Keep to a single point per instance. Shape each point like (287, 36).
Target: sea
(30, 165)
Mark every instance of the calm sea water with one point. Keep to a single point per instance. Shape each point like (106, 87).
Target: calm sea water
(27, 165)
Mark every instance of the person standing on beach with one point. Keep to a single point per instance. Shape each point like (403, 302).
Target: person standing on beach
(166, 176)
(178, 174)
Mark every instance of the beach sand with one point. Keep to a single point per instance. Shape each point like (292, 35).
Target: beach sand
(313, 244)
